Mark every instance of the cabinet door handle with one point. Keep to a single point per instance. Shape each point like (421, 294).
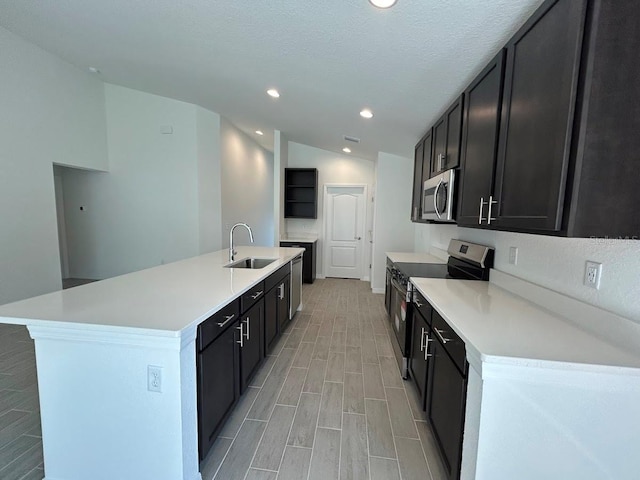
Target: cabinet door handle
(281, 292)
(257, 294)
(247, 324)
(482, 204)
(227, 319)
(417, 302)
(439, 333)
(441, 160)
(490, 203)
(241, 342)
(427, 355)
(422, 344)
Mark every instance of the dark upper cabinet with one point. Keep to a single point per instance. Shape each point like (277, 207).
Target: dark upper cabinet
(446, 139)
(300, 193)
(416, 198)
(479, 149)
(567, 161)
(421, 172)
(541, 80)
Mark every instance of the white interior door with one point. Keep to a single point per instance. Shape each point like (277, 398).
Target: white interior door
(344, 231)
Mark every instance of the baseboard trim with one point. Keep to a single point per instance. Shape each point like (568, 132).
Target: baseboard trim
(377, 290)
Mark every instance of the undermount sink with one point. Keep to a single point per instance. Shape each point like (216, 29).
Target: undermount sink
(251, 262)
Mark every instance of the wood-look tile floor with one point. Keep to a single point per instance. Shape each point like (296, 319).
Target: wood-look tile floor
(329, 402)
(20, 433)
(319, 407)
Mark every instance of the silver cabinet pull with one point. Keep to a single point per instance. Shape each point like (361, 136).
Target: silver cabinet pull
(439, 333)
(241, 342)
(281, 291)
(247, 324)
(422, 342)
(482, 204)
(417, 302)
(227, 319)
(490, 203)
(253, 297)
(427, 355)
(441, 159)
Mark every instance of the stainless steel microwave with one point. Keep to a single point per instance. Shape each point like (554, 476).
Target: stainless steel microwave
(437, 197)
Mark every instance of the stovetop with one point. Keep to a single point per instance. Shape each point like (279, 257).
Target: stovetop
(424, 270)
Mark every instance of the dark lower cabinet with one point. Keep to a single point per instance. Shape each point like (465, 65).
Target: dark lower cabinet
(284, 295)
(270, 319)
(308, 259)
(218, 367)
(446, 401)
(252, 344)
(420, 351)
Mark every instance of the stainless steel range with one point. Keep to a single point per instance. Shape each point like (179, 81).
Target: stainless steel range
(467, 261)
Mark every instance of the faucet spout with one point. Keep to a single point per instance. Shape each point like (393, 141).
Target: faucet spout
(232, 250)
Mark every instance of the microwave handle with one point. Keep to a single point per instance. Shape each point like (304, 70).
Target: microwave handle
(435, 199)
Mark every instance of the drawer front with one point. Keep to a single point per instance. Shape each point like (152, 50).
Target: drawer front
(217, 323)
(420, 303)
(453, 344)
(251, 296)
(276, 277)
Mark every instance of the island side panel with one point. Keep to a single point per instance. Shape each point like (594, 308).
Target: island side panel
(556, 424)
(100, 421)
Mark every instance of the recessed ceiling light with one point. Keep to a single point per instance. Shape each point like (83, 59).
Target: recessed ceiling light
(259, 132)
(272, 92)
(383, 3)
(346, 150)
(366, 113)
(94, 70)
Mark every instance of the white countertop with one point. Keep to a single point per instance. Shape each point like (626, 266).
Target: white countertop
(498, 326)
(168, 298)
(413, 257)
(299, 237)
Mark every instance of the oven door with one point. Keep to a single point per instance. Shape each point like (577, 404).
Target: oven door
(398, 317)
(437, 197)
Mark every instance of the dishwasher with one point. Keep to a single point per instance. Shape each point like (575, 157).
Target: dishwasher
(296, 286)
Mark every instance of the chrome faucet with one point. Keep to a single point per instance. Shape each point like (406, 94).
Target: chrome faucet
(232, 250)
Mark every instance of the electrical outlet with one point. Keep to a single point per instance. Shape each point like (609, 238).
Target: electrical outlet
(154, 379)
(513, 255)
(592, 273)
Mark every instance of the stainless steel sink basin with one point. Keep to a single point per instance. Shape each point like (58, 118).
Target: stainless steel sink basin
(251, 262)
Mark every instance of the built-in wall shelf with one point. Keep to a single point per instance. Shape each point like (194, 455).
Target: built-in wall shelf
(301, 193)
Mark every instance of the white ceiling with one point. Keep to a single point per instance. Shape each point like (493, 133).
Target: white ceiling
(328, 58)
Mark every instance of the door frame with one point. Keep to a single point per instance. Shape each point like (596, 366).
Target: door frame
(363, 224)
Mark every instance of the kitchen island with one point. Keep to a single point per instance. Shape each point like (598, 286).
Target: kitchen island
(553, 383)
(94, 346)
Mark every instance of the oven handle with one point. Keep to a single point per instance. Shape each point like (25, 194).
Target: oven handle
(399, 287)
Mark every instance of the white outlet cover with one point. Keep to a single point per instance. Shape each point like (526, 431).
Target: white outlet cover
(592, 273)
(154, 379)
(513, 255)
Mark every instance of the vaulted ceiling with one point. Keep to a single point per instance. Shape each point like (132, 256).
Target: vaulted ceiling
(328, 58)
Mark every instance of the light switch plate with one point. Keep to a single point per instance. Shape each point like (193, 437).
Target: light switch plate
(513, 255)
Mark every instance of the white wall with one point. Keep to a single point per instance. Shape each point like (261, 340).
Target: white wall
(247, 187)
(280, 162)
(332, 168)
(393, 230)
(557, 263)
(50, 112)
(209, 187)
(144, 212)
